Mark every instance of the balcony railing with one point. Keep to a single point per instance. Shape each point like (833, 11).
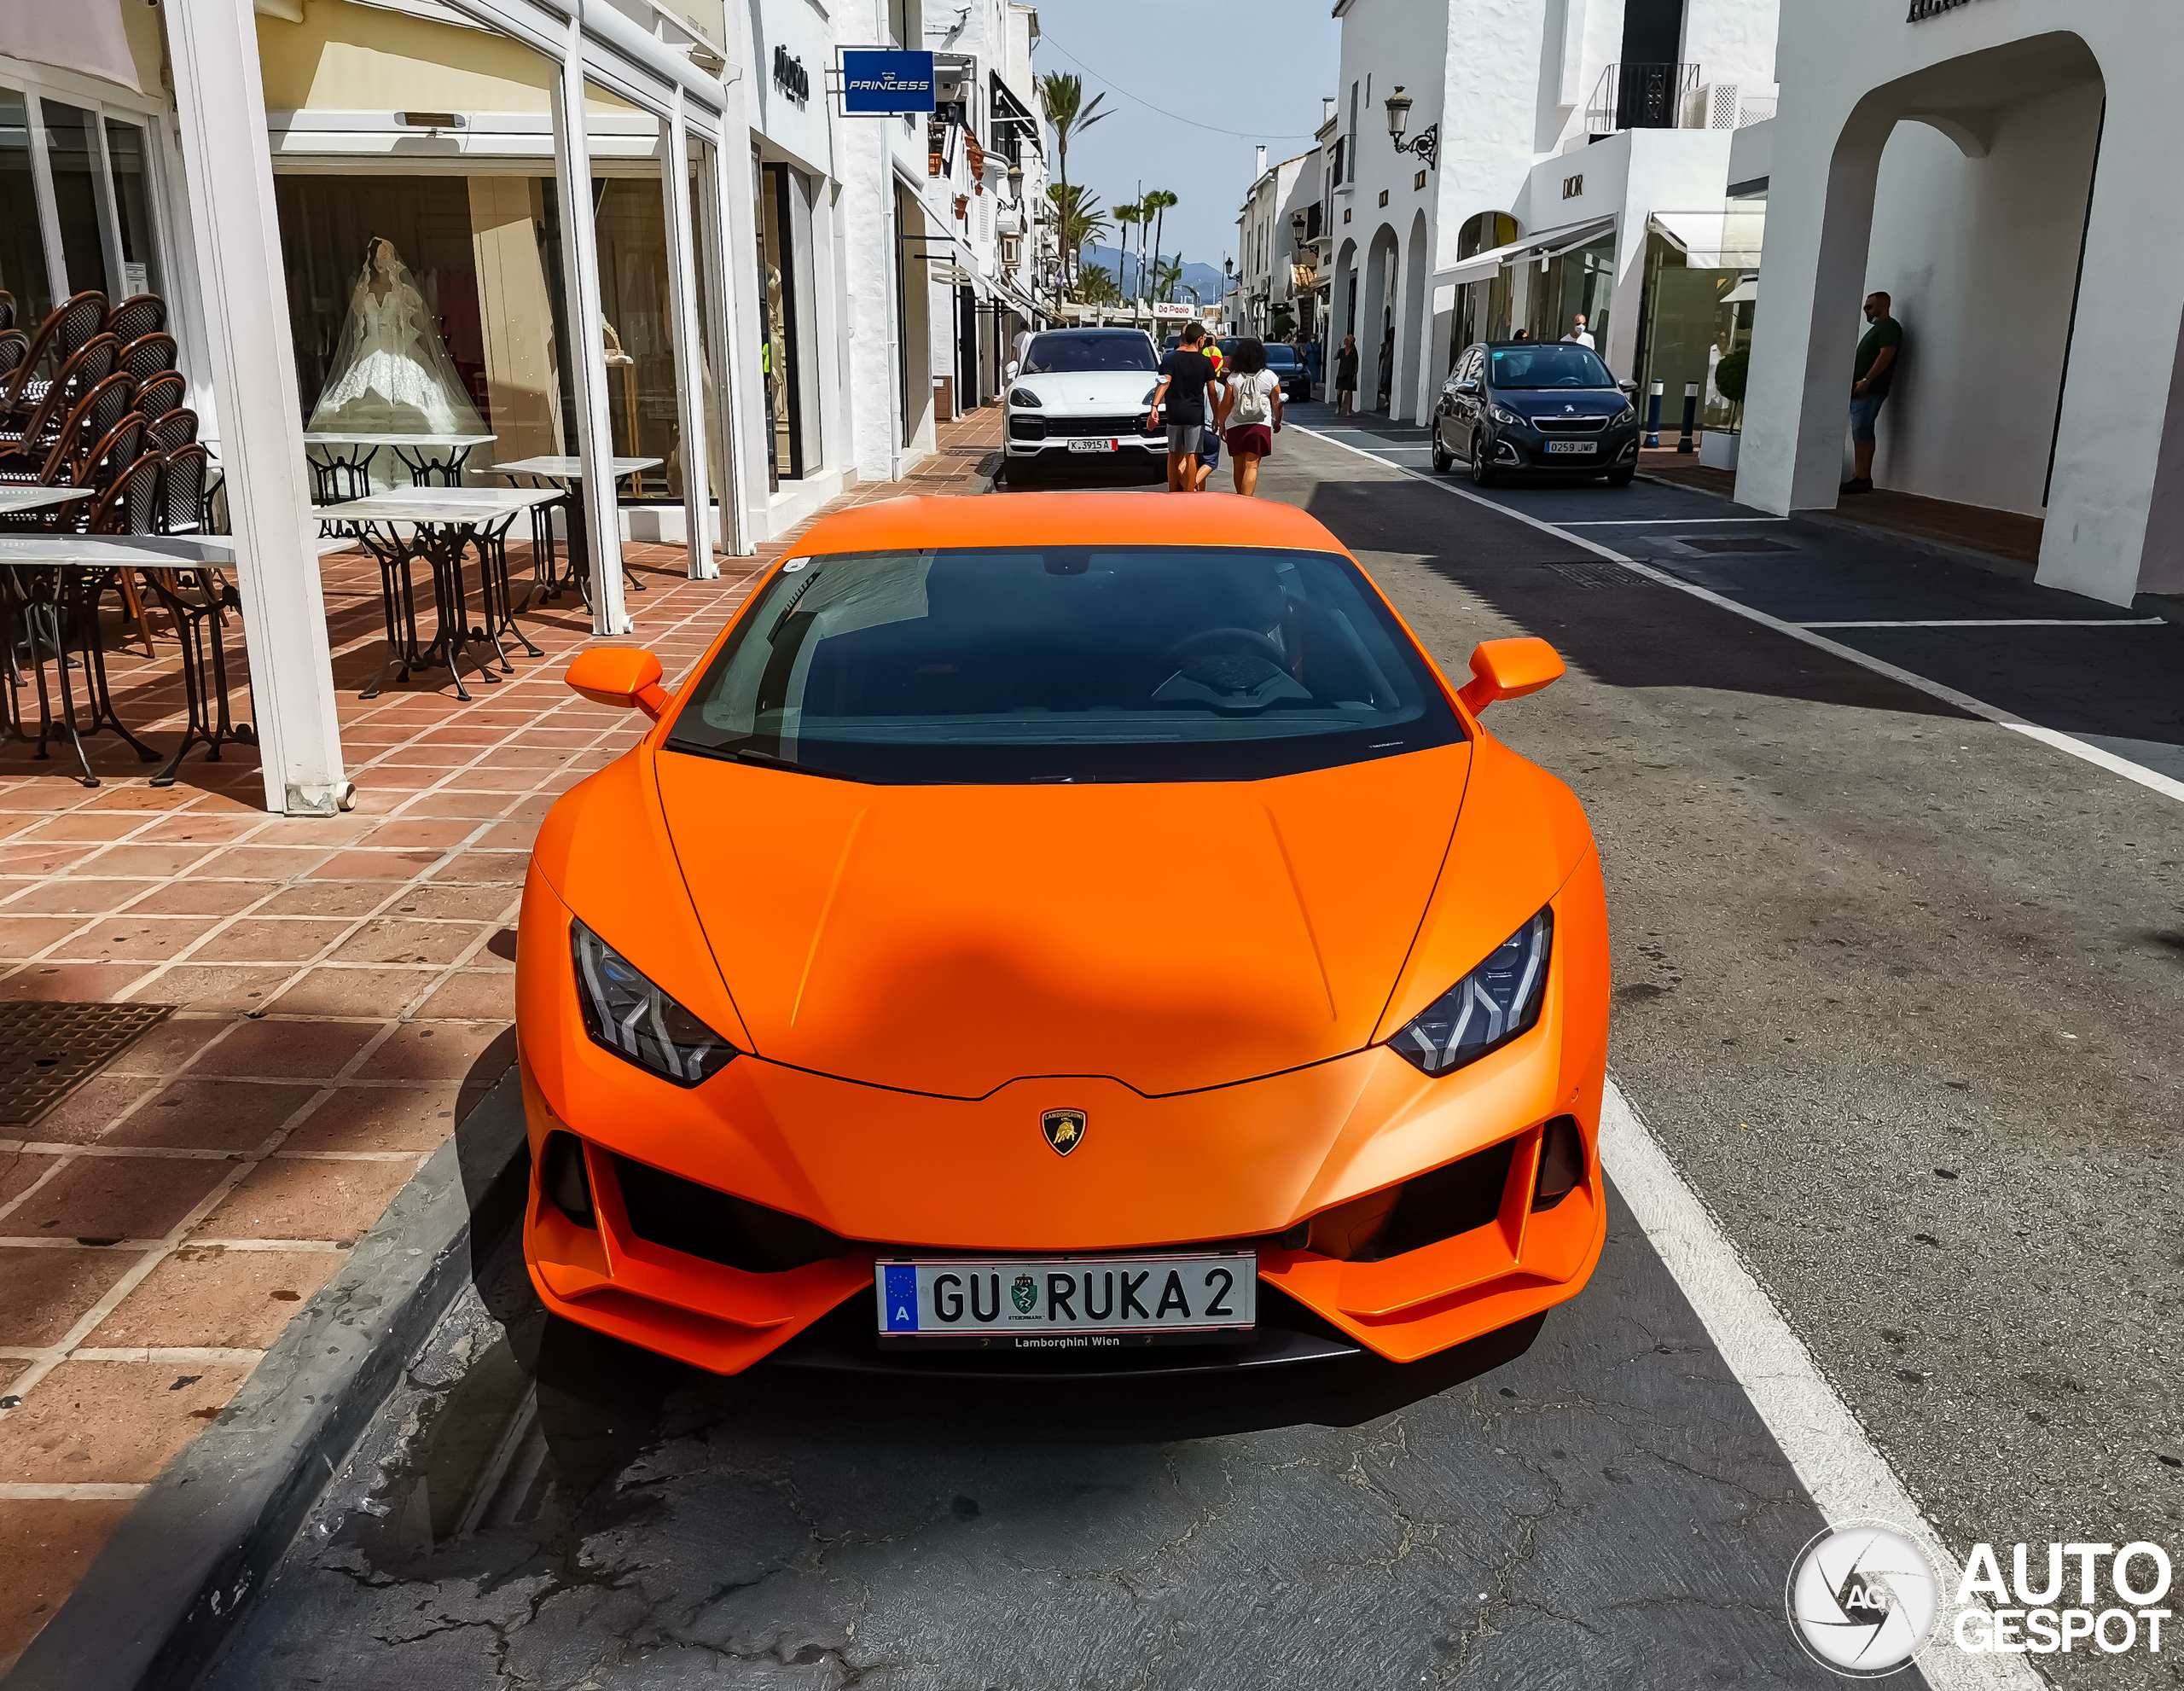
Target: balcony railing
(1641, 96)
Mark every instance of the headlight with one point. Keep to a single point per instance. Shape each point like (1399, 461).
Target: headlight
(1487, 1008)
(1629, 414)
(1502, 416)
(1149, 392)
(636, 1021)
(1023, 396)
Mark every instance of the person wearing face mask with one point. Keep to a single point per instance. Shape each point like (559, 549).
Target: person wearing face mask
(1879, 354)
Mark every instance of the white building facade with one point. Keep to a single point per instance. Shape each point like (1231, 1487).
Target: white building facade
(1998, 166)
(1575, 120)
(1270, 246)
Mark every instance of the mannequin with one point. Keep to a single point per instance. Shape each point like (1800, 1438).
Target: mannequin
(392, 375)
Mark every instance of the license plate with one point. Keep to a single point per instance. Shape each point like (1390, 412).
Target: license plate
(1104, 444)
(1066, 1303)
(1585, 447)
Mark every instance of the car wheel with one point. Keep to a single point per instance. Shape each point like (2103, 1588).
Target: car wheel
(1441, 458)
(1620, 478)
(1482, 473)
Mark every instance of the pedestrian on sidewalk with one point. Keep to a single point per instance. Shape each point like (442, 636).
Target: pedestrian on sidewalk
(1580, 333)
(1023, 344)
(1184, 373)
(1345, 378)
(1878, 353)
(1209, 444)
(1250, 412)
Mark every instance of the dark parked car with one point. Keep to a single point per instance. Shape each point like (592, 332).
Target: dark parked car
(1283, 359)
(1520, 408)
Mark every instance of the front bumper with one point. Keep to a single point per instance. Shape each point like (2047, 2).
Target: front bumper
(1527, 449)
(892, 1173)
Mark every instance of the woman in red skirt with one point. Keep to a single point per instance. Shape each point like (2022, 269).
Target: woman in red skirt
(1250, 412)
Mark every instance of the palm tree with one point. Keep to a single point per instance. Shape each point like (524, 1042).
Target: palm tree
(1081, 217)
(1069, 111)
(1166, 273)
(1098, 287)
(1157, 202)
(1128, 217)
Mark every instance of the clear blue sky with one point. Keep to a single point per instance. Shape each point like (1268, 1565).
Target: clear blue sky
(1257, 67)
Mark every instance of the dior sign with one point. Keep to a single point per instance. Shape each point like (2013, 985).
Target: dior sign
(1923, 9)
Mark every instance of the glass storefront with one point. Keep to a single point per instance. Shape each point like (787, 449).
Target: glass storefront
(783, 219)
(630, 217)
(129, 162)
(72, 149)
(22, 250)
(1583, 279)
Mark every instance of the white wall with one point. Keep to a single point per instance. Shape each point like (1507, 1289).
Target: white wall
(1981, 255)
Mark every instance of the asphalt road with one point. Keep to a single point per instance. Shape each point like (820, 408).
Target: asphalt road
(1896, 988)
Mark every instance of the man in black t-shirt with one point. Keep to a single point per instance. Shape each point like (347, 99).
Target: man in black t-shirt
(1184, 373)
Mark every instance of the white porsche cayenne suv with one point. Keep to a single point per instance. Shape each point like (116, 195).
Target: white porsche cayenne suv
(1081, 397)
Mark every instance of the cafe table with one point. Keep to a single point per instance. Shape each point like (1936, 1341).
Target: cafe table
(342, 461)
(28, 497)
(438, 524)
(50, 586)
(568, 470)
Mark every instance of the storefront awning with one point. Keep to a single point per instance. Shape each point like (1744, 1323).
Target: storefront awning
(1723, 240)
(88, 37)
(1543, 243)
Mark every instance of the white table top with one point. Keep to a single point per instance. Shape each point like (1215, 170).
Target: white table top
(568, 469)
(129, 551)
(23, 497)
(439, 505)
(337, 439)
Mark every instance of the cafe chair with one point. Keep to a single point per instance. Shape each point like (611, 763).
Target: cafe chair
(81, 317)
(92, 365)
(182, 492)
(130, 505)
(147, 356)
(140, 314)
(175, 428)
(14, 348)
(160, 395)
(7, 309)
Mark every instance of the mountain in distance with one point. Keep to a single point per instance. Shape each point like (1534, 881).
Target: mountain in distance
(1206, 278)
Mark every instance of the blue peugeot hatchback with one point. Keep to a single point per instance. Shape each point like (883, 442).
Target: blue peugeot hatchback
(1523, 408)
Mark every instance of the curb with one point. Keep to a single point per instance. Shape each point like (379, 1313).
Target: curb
(161, 1596)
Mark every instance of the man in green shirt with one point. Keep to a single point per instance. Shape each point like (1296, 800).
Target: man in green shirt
(1878, 355)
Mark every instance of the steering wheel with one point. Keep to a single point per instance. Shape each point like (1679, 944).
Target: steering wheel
(1190, 644)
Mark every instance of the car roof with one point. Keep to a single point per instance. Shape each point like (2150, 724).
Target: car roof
(1094, 328)
(918, 521)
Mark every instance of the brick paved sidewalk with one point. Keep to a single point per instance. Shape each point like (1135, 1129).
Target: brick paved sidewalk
(342, 992)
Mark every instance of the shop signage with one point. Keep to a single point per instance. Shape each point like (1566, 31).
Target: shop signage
(790, 76)
(1923, 9)
(886, 84)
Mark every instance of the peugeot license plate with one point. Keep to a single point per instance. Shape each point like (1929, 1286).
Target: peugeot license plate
(1067, 1303)
(1099, 444)
(1575, 448)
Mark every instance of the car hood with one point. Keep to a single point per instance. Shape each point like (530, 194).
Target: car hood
(1090, 391)
(950, 939)
(1532, 402)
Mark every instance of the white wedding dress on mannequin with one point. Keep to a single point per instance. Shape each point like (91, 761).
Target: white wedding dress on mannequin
(391, 374)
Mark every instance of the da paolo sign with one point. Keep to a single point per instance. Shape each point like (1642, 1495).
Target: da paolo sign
(884, 84)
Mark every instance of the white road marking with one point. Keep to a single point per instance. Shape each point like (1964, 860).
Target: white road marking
(1836, 1463)
(2007, 622)
(1658, 522)
(2168, 786)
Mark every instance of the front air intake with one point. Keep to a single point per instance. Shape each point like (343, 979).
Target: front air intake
(664, 1209)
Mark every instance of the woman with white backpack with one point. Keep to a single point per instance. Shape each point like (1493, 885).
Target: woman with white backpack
(1250, 411)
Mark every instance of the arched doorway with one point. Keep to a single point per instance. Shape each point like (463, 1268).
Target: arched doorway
(1376, 321)
(1414, 328)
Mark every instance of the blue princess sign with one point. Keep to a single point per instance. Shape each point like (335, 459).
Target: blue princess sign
(877, 83)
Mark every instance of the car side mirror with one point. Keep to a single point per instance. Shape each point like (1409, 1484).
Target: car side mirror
(1468, 389)
(623, 676)
(1628, 387)
(1009, 370)
(1509, 669)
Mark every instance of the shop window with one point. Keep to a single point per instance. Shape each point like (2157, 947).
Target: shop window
(784, 221)
(635, 299)
(73, 151)
(22, 252)
(130, 171)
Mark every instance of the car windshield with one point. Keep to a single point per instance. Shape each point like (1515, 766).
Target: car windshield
(1065, 663)
(1053, 354)
(1559, 365)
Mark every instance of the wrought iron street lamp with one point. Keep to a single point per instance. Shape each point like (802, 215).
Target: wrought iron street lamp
(1426, 144)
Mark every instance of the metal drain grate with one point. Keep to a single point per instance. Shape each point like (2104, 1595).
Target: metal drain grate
(1593, 575)
(47, 1050)
(1732, 543)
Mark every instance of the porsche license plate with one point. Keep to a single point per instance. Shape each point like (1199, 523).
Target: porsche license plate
(1066, 1303)
(1099, 444)
(1575, 448)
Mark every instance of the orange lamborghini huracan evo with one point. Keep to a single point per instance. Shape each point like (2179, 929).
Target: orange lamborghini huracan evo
(1085, 930)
